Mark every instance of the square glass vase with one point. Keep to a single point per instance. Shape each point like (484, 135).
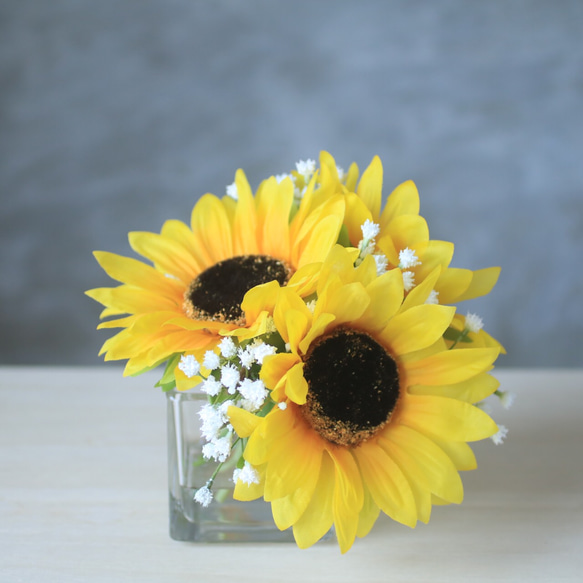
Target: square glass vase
(225, 519)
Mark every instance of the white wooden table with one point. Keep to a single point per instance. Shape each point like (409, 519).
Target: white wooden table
(83, 494)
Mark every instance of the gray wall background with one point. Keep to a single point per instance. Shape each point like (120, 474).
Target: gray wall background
(116, 115)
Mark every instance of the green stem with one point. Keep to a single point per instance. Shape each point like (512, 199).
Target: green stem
(209, 484)
(462, 335)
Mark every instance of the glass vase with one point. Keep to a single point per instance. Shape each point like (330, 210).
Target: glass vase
(225, 519)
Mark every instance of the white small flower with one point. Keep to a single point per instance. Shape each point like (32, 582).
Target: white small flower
(382, 263)
(282, 405)
(211, 360)
(254, 392)
(203, 496)
(311, 305)
(306, 168)
(189, 365)
(212, 421)
(223, 448)
(507, 398)
(247, 474)
(281, 177)
(473, 322)
(223, 408)
(433, 297)
(227, 347)
(341, 173)
(246, 357)
(209, 450)
(232, 191)
(366, 247)
(408, 280)
(230, 377)
(408, 259)
(299, 194)
(369, 229)
(211, 387)
(219, 449)
(499, 437)
(260, 351)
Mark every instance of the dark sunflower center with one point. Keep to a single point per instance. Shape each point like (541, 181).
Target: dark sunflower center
(353, 386)
(216, 294)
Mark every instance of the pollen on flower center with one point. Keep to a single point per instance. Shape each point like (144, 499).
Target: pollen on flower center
(216, 294)
(353, 386)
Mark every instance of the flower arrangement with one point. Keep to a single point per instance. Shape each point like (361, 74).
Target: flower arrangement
(320, 325)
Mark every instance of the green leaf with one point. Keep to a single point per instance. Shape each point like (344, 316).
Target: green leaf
(454, 335)
(168, 376)
(343, 238)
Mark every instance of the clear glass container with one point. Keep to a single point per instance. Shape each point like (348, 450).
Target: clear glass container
(225, 519)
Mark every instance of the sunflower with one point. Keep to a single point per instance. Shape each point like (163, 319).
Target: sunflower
(373, 411)
(200, 274)
(403, 236)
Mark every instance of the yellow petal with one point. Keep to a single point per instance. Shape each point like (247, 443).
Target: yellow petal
(291, 317)
(387, 247)
(352, 177)
(404, 200)
(180, 341)
(259, 299)
(317, 518)
(417, 328)
(445, 419)
(125, 344)
(210, 223)
(472, 390)
(348, 497)
(245, 423)
(275, 205)
(370, 187)
(450, 366)
(452, 283)
(119, 323)
(180, 233)
(276, 366)
(305, 279)
(294, 463)
(419, 294)
(152, 323)
(183, 383)
(287, 510)
(318, 328)
(273, 428)
(245, 219)
(127, 299)
(347, 302)
(438, 473)
(296, 387)
(368, 515)
(387, 484)
(168, 255)
(408, 231)
(460, 453)
(356, 214)
(247, 492)
(483, 281)
(322, 238)
(386, 295)
(434, 254)
(138, 274)
(414, 475)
